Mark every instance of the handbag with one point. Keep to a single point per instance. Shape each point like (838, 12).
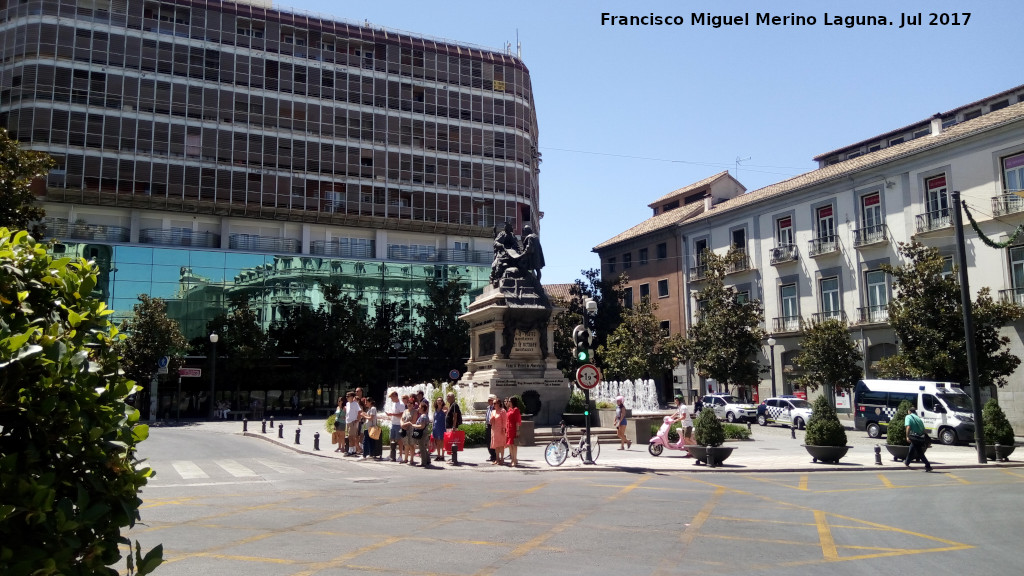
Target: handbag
(337, 437)
(417, 433)
(375, 432)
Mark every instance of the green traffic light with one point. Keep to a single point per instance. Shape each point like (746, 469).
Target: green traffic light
(586, 412)
(582, 356)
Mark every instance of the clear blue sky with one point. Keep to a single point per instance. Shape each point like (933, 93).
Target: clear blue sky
(628, 114)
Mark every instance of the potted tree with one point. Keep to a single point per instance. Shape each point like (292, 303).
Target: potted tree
(999, 443)
(710, 435)
(825, 439)
(895, 438)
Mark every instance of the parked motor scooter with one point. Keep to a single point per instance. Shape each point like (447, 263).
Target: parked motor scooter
(660, 442)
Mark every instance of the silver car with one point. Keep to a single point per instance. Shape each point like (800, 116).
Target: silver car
(727, 407)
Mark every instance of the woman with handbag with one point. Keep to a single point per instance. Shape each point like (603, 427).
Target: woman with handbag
(514, 420)
(437, 432)
(371, 429)
(421, 435)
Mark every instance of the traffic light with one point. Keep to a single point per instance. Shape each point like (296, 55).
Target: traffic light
(582, 341)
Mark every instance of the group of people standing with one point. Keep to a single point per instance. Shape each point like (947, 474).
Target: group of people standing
(504, 418)
(357, 432)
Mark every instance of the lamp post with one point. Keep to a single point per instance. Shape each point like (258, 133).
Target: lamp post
(771, 352)
(213, 369)
(591, 306)
(397, 346)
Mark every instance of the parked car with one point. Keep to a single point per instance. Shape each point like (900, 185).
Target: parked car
(727, 407)
(785, 410)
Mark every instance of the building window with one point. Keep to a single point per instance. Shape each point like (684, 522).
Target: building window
(826, 224)
(643, 256)
(1013, 173)
(784, 231)
(666, 328)
(611, 265)
(627, 260)
(627, 297)
(743, 297)
(871, 215)
(790, 307)
(878, 297)
(739, 240)
(936, 202)
(662, 288)
(645, 291)
(1017, 273)
(662, 251)
(947, 267)
(830, 304)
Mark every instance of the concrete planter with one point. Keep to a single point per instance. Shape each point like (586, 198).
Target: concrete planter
(899, 453)
(711, 455)
(1002, 455)
(827, 453)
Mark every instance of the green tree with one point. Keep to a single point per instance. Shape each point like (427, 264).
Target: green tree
(442, 341)
(928, 319)
(895, 431)
(609, 294)
(829, 358)
(19, 169)
(726, 338)
(639, 348)
(149, 335)
(69, 473)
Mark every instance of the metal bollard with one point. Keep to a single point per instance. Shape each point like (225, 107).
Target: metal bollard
(280, 430)
(393, 447)
(245, 424)
(878, 455)
(300, 418)
(297, 432)
(748, 425)
(792, 432)
(316, 441)
(455, 453)
(711, 458)
(998, 457)
(271, 421)
(264, 426)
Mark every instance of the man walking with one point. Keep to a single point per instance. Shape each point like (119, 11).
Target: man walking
(918, 439)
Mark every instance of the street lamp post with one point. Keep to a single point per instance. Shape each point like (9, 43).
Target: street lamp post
(771, 352)
(213, 369)
(397, 346)
(591, 307)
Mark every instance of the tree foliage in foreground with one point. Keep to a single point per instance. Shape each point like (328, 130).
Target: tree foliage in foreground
(18, 168)
(69, 473)
(639, 348)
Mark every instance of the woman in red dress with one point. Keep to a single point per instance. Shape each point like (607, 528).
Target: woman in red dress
(514, 420)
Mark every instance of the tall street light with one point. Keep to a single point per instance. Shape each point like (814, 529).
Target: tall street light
(771, 352)
(213, 369)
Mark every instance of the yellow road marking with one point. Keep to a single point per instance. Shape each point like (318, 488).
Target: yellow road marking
(339, 561)
(957, 478)
(885, 481)
(828, 545)
(803, 483)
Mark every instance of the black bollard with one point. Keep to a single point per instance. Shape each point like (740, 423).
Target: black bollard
(264, 426)
(393, 445)
(748, 426)
(300, 418)
(878, 455)
(792, 432)
(297, 432)
(998, 457)
(245, 424)
(316, 441)
(280, 430)
(455, 452)
(271, 421)
(711, 457)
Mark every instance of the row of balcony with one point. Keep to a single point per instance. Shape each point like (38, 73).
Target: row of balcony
(865, 315)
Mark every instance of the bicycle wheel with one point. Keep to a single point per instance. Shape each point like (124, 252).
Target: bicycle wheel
(556, 452)
(595, 450)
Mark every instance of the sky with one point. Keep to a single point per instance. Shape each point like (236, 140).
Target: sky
(627, 114)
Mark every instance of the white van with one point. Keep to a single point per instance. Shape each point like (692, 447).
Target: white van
(946, 409)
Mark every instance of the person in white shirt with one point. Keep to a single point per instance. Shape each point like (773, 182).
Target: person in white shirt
(682, 414)
(352, 423)
(394, 408)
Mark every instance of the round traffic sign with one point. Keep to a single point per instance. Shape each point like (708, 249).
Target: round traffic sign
(588, 376)
(162, 362)
(454, 374)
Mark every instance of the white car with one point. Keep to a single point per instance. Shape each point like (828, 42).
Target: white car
(785, 410)
(728, 408)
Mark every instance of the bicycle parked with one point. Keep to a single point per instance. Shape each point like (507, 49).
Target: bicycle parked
(558, 450)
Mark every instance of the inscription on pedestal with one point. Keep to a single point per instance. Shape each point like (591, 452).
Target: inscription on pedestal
(526, 345)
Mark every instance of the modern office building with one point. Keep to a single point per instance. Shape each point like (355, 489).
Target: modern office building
(816, 243)
(206, 148)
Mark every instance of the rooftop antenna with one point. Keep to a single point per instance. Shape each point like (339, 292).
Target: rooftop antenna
(736, 171)
(519, 46)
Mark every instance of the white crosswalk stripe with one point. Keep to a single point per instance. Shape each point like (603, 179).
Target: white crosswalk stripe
(234, 468)
(188, 470)
(278, 467)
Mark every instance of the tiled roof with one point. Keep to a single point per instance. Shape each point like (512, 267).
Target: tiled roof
(986, 122)
(659, 222)
(696, 185)
(560, 292)
(906, 128)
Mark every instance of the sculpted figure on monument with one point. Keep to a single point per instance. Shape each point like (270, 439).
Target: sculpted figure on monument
(533, 254)
(506, 253)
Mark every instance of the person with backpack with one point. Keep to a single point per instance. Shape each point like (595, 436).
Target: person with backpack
(917, 436)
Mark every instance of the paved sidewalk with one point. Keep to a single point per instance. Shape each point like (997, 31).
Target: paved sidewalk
(771, 449)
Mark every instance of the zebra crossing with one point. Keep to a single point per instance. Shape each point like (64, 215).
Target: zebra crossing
(249, 468)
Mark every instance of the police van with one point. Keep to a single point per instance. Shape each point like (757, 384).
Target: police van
(947, 411)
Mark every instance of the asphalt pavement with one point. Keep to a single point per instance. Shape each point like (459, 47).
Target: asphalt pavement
(770, 449)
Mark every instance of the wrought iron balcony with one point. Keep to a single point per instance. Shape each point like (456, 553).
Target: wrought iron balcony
(179, 238)
(1013, 295)
(830, 315)
(784, 253)
(741, 264)
(1009, 203)
(698, 272)
(869, 235)
(787, 324)
(934, 220)
(61, 229)
(823, 245)
(259, 243)
(874, 314)
(342, 249)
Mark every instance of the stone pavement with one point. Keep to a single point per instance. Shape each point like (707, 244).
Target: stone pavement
(771, 449)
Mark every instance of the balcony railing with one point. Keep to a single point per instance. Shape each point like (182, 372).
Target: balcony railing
(784, 253)
(823, 245)
(787, 324)
(698, 272)
(741, 264)
(60, 228)
(1013, 295)
(258, 243)
(869, 235)
(934, 220)
(1007, 204)
(830, 315)
(322, 248)
(179, 238)
(874, 314)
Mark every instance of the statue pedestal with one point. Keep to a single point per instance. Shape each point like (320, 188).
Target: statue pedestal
(511, 348)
